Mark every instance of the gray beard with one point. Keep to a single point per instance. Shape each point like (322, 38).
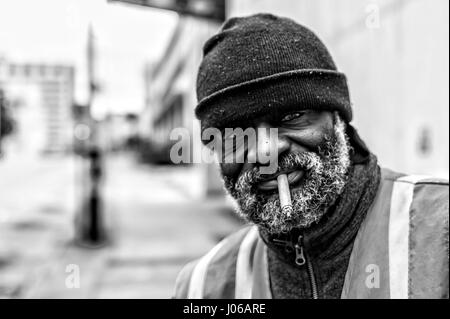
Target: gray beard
(326, 174)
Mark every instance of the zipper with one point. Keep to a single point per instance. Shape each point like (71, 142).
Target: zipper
(301, 259)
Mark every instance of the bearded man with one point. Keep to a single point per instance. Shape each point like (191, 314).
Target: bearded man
(355, 230)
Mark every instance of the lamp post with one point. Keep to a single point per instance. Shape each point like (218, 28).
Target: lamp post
(89, 222)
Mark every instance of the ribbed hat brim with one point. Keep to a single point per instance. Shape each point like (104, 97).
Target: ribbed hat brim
(323, 90)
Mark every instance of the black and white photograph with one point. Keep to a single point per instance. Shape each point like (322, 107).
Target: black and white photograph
(246, 150)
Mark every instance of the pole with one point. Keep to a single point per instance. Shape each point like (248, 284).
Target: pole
(90, 225)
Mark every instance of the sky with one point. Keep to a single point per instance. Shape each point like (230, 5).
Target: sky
(55, 31)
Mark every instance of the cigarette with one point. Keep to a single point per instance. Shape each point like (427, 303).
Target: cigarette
(285, 195)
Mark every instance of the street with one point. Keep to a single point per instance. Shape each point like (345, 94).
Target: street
(154, 217)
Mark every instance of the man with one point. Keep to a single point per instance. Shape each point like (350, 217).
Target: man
(356, 230)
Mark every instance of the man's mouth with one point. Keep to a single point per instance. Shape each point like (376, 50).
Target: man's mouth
(272, 184)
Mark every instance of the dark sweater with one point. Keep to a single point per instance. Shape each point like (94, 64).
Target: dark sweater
(291, 281)
(328, 244)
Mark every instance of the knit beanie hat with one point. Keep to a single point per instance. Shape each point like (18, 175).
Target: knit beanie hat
(264, 64)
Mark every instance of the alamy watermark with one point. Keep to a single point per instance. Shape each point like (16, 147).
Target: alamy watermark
(373, 277)
(228, 145)
(372, 20)
(73, 279)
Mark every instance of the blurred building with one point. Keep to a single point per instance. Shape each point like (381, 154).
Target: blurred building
(41, 97)
(394, 53)
(170, 86)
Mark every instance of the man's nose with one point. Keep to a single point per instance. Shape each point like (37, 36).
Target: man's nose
(268, 143)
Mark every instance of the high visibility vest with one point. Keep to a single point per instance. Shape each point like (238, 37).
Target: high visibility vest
(401, 250)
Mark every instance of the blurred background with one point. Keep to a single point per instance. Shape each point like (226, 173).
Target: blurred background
(91, 205)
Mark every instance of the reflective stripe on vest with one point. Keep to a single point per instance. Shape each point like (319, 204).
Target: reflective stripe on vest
(251, 275)
(244, 267)
(401, 199)
(380, 264)
(198, 277)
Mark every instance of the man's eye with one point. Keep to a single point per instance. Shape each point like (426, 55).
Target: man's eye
(292, 117)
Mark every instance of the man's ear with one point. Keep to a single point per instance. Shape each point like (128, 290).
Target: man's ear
(360, 151)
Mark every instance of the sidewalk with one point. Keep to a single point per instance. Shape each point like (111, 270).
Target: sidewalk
(156, 224)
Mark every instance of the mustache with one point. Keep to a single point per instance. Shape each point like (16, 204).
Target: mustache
(306, 161)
